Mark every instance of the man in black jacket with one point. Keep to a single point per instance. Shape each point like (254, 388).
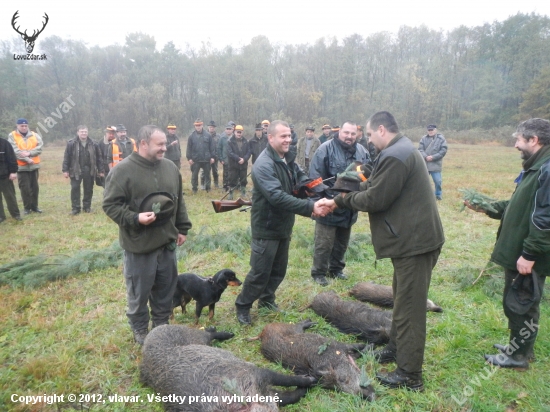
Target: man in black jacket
(200, 154)
(8, 173)
(238, 153)
(82, 162)
(173, 148)
(272, 217)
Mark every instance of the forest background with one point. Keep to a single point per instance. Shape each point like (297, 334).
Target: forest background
(471, 78)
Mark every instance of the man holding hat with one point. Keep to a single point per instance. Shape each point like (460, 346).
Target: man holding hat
(27, 146)
(326, 133)
(201, 153)
(173, 148)
(522, 247)
(306, 148)
(433, 148)
(143, 195)
(332, 232)
(121, 147)
(258, 142)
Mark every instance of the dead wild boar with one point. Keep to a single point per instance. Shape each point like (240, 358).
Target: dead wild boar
(184, 335)
(382, 296)
(309, 353)
(355, 318)
(172, 366)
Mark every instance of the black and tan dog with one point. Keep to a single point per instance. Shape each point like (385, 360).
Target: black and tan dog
(205, 291)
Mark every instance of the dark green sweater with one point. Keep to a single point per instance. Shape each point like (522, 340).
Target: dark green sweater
(128, 183)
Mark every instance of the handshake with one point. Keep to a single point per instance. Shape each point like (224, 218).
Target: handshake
(323, 207)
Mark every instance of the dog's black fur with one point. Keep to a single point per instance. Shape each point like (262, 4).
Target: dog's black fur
(205, 291)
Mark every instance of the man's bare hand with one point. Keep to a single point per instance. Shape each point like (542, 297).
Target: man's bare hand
(524, 266)
(319, 209)
(13, 176)
(66, 174)
(181, 239)
(146, 218)
(330, 204)
(429, 158)
(474, 208)
(191, 162)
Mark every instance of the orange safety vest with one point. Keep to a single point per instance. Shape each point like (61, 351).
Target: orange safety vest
(26, 145)
(116, 153)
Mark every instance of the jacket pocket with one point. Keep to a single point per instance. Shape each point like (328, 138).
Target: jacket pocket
(391, 228)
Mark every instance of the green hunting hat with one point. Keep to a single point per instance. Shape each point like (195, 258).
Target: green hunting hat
(162, 203)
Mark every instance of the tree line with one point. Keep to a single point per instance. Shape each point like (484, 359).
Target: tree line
(482, 77)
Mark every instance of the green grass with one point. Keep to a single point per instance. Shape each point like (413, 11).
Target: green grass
(71, 336)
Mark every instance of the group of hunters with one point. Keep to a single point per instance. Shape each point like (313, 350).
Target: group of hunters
(389, 179)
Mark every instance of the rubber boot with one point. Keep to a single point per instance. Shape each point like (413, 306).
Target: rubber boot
(517, 352)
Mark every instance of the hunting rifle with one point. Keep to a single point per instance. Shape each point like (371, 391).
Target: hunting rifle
(221, 206)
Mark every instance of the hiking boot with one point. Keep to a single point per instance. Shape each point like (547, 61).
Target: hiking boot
(398, 379)
(338, 275)
(385, 355)
(75, 212)
(321, 280)
(37, 210)
(517, 362)
(243, 316)
(140, 335)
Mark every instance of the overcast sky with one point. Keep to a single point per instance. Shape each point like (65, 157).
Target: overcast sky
(235, 22)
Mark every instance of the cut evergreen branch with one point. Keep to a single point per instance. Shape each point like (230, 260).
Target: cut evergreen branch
(477, 199)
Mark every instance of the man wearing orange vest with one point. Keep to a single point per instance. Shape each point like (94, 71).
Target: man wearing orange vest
(28, 147)
(121, 148)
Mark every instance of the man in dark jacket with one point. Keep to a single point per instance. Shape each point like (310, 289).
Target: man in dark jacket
(216, 138)
(221, 152)
(173, 147)
(523, 240)
(82, 163)
(272, 217)
(333, 231)
(108, 138)
(405, 227)
(238, 153)
(8, 173)
(200, 154)
(258, 142)
(143, 195)
(326, 133)
(433, 147)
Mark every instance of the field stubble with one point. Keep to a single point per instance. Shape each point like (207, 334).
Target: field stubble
(71, 336)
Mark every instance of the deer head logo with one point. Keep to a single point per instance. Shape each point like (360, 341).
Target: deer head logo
(29, 40)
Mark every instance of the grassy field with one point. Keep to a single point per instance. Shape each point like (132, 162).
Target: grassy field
(72, 337)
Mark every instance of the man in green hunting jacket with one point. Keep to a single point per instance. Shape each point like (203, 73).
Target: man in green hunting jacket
(523, 239)
(405, 227)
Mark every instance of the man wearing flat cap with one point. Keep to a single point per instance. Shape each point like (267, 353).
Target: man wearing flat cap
(326, 133)
(433, 147)
(221, 152)
(173, 148)
(201, 153)
(306, 148)
(121, 147)
(143, 195)
(27, 146)
(108, 137)
(258, 142)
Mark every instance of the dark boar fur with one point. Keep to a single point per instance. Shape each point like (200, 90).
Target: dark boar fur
(309, 353)
(172, 366)
(382, 296)
(370, 324)
(184, 335)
